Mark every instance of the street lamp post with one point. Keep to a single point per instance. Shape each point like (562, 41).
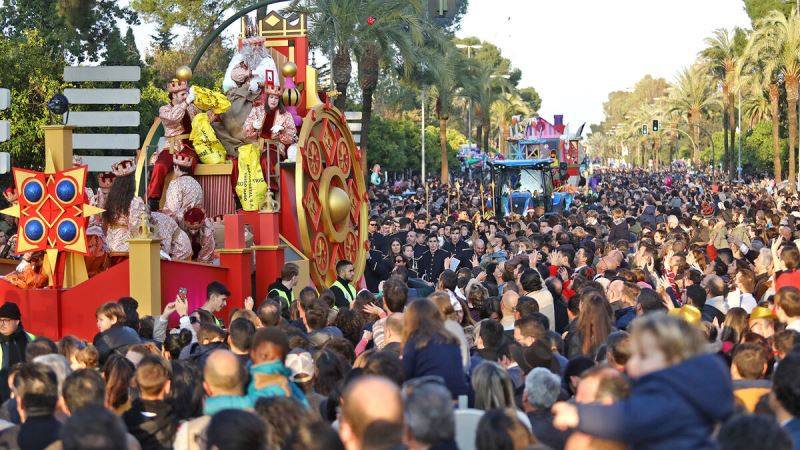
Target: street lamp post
(739, 135)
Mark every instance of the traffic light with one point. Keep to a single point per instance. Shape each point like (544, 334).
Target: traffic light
(644, 129)
(655, 125)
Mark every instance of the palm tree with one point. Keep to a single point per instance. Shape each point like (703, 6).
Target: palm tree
(448, 73)
(779, 36)
(721, 57)
(509, 104)
(692, 96)
(393, 37)
(484, 89)
(334, 32)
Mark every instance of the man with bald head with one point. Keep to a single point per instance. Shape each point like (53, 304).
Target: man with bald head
(370, 403)
(223, 382)
(715, 307)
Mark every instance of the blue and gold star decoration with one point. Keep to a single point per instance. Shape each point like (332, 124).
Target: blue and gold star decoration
(52, 211)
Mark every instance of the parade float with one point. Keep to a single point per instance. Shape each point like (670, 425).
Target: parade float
(541, 168)
(311, 206)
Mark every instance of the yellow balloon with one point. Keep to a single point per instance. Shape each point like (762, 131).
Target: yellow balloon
(184, 73)
(289, 69)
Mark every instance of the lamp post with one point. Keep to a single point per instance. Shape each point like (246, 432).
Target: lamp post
(739, 135)
(469, 109)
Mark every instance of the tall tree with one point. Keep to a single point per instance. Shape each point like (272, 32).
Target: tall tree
(758, 9)
(118, 49)
(393, 33)
(163, 40)
(530, 96)
(692, 96)
(762, 76)
(72, 30)
(780, 35)
(133, 57)
(333, 31)
(722, 56)
(199, 16)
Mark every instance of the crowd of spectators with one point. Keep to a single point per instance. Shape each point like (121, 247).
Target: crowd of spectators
(660, 311)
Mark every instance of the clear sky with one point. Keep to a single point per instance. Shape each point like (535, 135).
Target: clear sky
(574, 52)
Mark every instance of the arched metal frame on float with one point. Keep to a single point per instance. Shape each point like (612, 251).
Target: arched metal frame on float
(330, 190)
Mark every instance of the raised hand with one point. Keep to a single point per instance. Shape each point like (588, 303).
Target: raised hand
(181, 306)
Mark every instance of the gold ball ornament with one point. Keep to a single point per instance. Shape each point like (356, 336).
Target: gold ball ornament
(338, 204)
(184, 73)
(291, 97)
(289, 69)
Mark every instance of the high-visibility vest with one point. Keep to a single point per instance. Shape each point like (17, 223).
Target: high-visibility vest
(348, 290)
(30, 337)
(283, 295)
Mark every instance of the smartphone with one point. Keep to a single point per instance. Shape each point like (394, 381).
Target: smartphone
(182, 293)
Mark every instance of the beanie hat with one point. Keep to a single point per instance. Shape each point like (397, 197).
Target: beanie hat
(10, 310)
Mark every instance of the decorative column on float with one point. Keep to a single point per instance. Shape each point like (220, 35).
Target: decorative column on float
(144, 259)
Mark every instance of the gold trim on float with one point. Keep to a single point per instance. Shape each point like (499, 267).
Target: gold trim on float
(265, 247)
(276, 43)
(234, 251)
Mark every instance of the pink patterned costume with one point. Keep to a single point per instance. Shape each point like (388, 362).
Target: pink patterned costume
(174, 241)
(119, 232)
(183, 193)
(177, 122)
(203, 243)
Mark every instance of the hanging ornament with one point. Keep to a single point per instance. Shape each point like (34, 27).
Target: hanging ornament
(371, 20)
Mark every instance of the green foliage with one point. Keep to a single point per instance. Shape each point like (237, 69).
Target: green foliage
(119, 51)
(74, 30)
(151, 99)
(396, 145)
(757, 149)
(28, 69)
(621, 103)
(200, 16)
(163, 40)
(757, 9)
(531, 97)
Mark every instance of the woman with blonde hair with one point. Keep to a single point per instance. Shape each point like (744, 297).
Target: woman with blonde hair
(429, 349)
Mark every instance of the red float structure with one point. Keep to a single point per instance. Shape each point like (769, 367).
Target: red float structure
(319, 217)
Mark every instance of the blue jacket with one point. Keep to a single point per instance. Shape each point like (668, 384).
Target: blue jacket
(271, 379)
(793, 428)
(436, 358)
(674, 408)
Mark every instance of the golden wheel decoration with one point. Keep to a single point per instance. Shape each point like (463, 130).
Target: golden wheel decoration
(332, 208)
(321, 253)
(312, 157)
(343, 160)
